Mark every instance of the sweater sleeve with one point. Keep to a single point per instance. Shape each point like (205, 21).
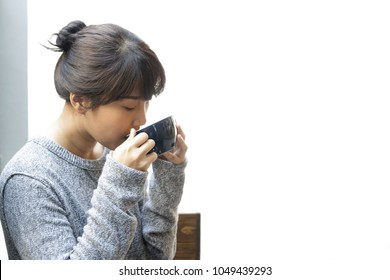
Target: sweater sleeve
(40, 229)
(160, 209)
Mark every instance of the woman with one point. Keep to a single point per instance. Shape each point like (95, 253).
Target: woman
(82, 191)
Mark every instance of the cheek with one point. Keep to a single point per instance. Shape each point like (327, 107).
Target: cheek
(108, 129)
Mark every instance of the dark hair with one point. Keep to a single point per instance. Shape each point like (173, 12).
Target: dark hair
(105, 63)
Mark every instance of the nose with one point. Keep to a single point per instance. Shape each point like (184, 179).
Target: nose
(140, 118)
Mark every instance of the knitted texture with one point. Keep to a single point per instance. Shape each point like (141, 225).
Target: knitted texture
(55, 205)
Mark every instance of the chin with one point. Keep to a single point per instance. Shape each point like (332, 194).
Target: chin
(111, 145)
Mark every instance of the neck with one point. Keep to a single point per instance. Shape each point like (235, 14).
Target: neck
(69, 132)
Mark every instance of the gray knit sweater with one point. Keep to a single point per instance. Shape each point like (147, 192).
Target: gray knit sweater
(55, 205)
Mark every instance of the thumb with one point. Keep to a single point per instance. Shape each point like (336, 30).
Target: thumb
(132, 134)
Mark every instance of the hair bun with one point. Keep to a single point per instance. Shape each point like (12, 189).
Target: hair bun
(66, 36)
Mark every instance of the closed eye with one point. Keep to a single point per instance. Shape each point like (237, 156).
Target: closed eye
(128, 108)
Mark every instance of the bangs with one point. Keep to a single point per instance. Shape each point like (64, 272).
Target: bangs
(134, 68)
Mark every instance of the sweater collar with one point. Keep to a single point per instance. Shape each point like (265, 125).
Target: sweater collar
(63, 153)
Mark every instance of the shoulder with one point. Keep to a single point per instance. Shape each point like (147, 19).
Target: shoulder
(28, 161)
(30, 157)
(41, 155)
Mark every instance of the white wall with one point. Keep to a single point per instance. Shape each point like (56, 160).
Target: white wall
(286, 109)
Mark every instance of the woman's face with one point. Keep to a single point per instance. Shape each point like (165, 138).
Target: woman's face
(110, 124)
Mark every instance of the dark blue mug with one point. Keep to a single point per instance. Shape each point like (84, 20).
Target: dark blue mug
(163, 133)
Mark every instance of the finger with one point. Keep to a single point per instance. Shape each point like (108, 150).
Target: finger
(180, 131)
(167, 156)
(147, 146)
(181, 144)
(131, 134)
(140, 139)
(151, 157)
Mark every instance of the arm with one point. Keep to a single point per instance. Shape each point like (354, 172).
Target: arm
(165, 192)
(159, 216)
(40, 228)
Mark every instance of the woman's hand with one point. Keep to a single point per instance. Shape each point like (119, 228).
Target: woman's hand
(177, 154)
(134, 151)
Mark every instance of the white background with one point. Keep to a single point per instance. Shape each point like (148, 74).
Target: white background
(286, 109)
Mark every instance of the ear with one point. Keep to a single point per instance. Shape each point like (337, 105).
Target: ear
(79, 103)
